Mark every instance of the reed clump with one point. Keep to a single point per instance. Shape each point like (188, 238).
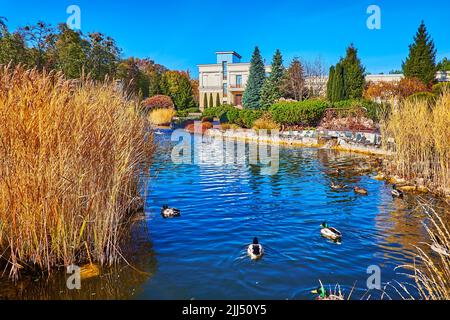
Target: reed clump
(431, 268)
(72, 155)
(419, 136)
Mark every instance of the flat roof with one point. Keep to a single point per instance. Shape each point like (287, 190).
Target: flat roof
(229, 52)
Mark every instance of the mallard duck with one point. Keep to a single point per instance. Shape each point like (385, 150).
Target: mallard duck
(167, 212)
(361, 191)
(396, 193)
(330, 233)
(255, 250)
(324, 295)
(337, 186)
(440, 248)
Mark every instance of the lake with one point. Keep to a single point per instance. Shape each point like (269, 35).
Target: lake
(202, 254)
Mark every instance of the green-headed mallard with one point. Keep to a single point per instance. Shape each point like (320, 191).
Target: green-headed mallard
(396, 193)
(167, 212)
(255, 250)
(324, 295)
(330, 233)
(361, 191)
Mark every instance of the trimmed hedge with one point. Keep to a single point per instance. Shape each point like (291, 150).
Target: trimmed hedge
(217, 111)
(184, 113)
(308, 112)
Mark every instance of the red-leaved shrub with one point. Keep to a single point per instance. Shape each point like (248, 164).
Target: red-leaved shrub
(158, 102)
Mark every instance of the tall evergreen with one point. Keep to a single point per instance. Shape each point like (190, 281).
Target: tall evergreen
(252, 94)
(330, 84)
(338, 93)
(354, 78)
(218, 100)
(211, 102)
(271, 90)
(421, 62)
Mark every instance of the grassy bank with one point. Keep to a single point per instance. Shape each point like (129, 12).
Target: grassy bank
(71, 156)
(421, 135)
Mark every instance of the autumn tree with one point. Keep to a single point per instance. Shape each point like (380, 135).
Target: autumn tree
(294, 81)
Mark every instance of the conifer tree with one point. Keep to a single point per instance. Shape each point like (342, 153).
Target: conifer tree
(421, 62)
(271, 90)
(211, 102)
(330, 84)
(218, 100)
(338, 84)
(205, 101)
(354, 74)
(252, 94)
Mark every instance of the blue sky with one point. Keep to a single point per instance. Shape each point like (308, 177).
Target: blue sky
(182, 34)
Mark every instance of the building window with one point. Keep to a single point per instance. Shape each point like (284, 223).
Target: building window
(238, 81)
(225, 69)
(225, 89)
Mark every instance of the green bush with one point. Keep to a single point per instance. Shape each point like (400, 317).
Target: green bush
(372, 109)
(217, 111)
(184, 113)
(308, 112)
(428, 97)
(243, 118)
(441, 87)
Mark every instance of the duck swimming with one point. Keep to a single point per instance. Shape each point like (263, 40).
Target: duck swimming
(337, 186)
(323, 295)
(396, 193)
(255, 250)
(167, 212)
(330, 233)
(361, 191)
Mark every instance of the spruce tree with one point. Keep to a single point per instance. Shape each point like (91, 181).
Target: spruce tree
(421, 62)
(218, 100)
(330, 84)
(211, 102)
(271, 90)
(252, 94)
(354, 74)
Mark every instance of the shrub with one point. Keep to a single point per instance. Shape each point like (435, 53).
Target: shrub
(204, 126)
(185, 113)
(86, 147)
(248, 117)
(161, 116)
(158, 102)
(440, 88)
(229, 126)
(409, 86)
(266, 122)
(428, 97)
(308, 112)
(217, 111)
(361, 107)
(207, 119)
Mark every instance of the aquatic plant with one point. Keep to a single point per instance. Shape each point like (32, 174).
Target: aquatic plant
(431, 270)
(420, 138)
(72, 154)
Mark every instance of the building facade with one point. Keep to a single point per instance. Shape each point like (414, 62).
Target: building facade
(224, 81)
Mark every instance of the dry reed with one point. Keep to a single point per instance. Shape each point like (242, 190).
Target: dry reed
(421, 142)
(72, 154)
(431, 270)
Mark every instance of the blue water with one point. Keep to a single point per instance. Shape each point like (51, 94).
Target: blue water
(201, 255)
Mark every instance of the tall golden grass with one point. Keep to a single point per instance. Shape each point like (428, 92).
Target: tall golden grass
(431, 272)
(71, 155)
(421, 136)
(161, 116)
